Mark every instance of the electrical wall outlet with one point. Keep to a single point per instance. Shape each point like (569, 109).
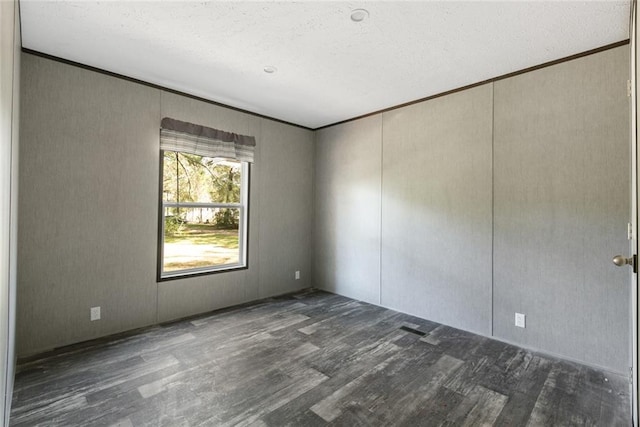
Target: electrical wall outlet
(95, 313)
(297, 274)
(520, 320)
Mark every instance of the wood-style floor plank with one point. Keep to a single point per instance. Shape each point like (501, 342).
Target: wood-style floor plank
(311, 359)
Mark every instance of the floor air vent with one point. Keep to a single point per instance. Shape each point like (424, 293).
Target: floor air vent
(413, 331)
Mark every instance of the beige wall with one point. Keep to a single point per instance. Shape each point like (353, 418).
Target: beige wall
(347, 226)
(463, 209)
(436, 209)
(89, 199)
(9, 108)
(508, 197)
(561, 191)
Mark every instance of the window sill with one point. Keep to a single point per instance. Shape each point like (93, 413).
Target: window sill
(196, 273)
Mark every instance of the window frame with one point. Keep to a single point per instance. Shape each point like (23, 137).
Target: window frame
(243, 227)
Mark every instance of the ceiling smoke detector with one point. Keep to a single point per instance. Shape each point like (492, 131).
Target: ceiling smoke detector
(359, 15)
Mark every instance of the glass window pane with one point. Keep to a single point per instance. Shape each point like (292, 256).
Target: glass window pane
(225, 180)
(192, 178)
(200, 237)
(169, 177)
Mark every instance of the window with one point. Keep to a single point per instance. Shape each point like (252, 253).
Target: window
(203, 214)
(204, 184)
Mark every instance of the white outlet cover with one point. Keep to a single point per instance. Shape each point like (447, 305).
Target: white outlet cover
(297, 274)
(95, 313)
(520, 320)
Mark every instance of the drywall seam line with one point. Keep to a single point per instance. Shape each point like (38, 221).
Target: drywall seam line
(380, 220)
(493, 204)
(314, 235)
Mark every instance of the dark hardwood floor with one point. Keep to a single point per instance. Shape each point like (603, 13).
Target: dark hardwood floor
(311, 359)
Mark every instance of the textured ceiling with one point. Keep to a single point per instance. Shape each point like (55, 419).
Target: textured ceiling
(329, 68)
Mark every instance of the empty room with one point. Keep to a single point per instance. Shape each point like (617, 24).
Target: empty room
(386, 213)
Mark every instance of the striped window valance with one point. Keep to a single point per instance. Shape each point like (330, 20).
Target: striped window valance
(176, 135)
